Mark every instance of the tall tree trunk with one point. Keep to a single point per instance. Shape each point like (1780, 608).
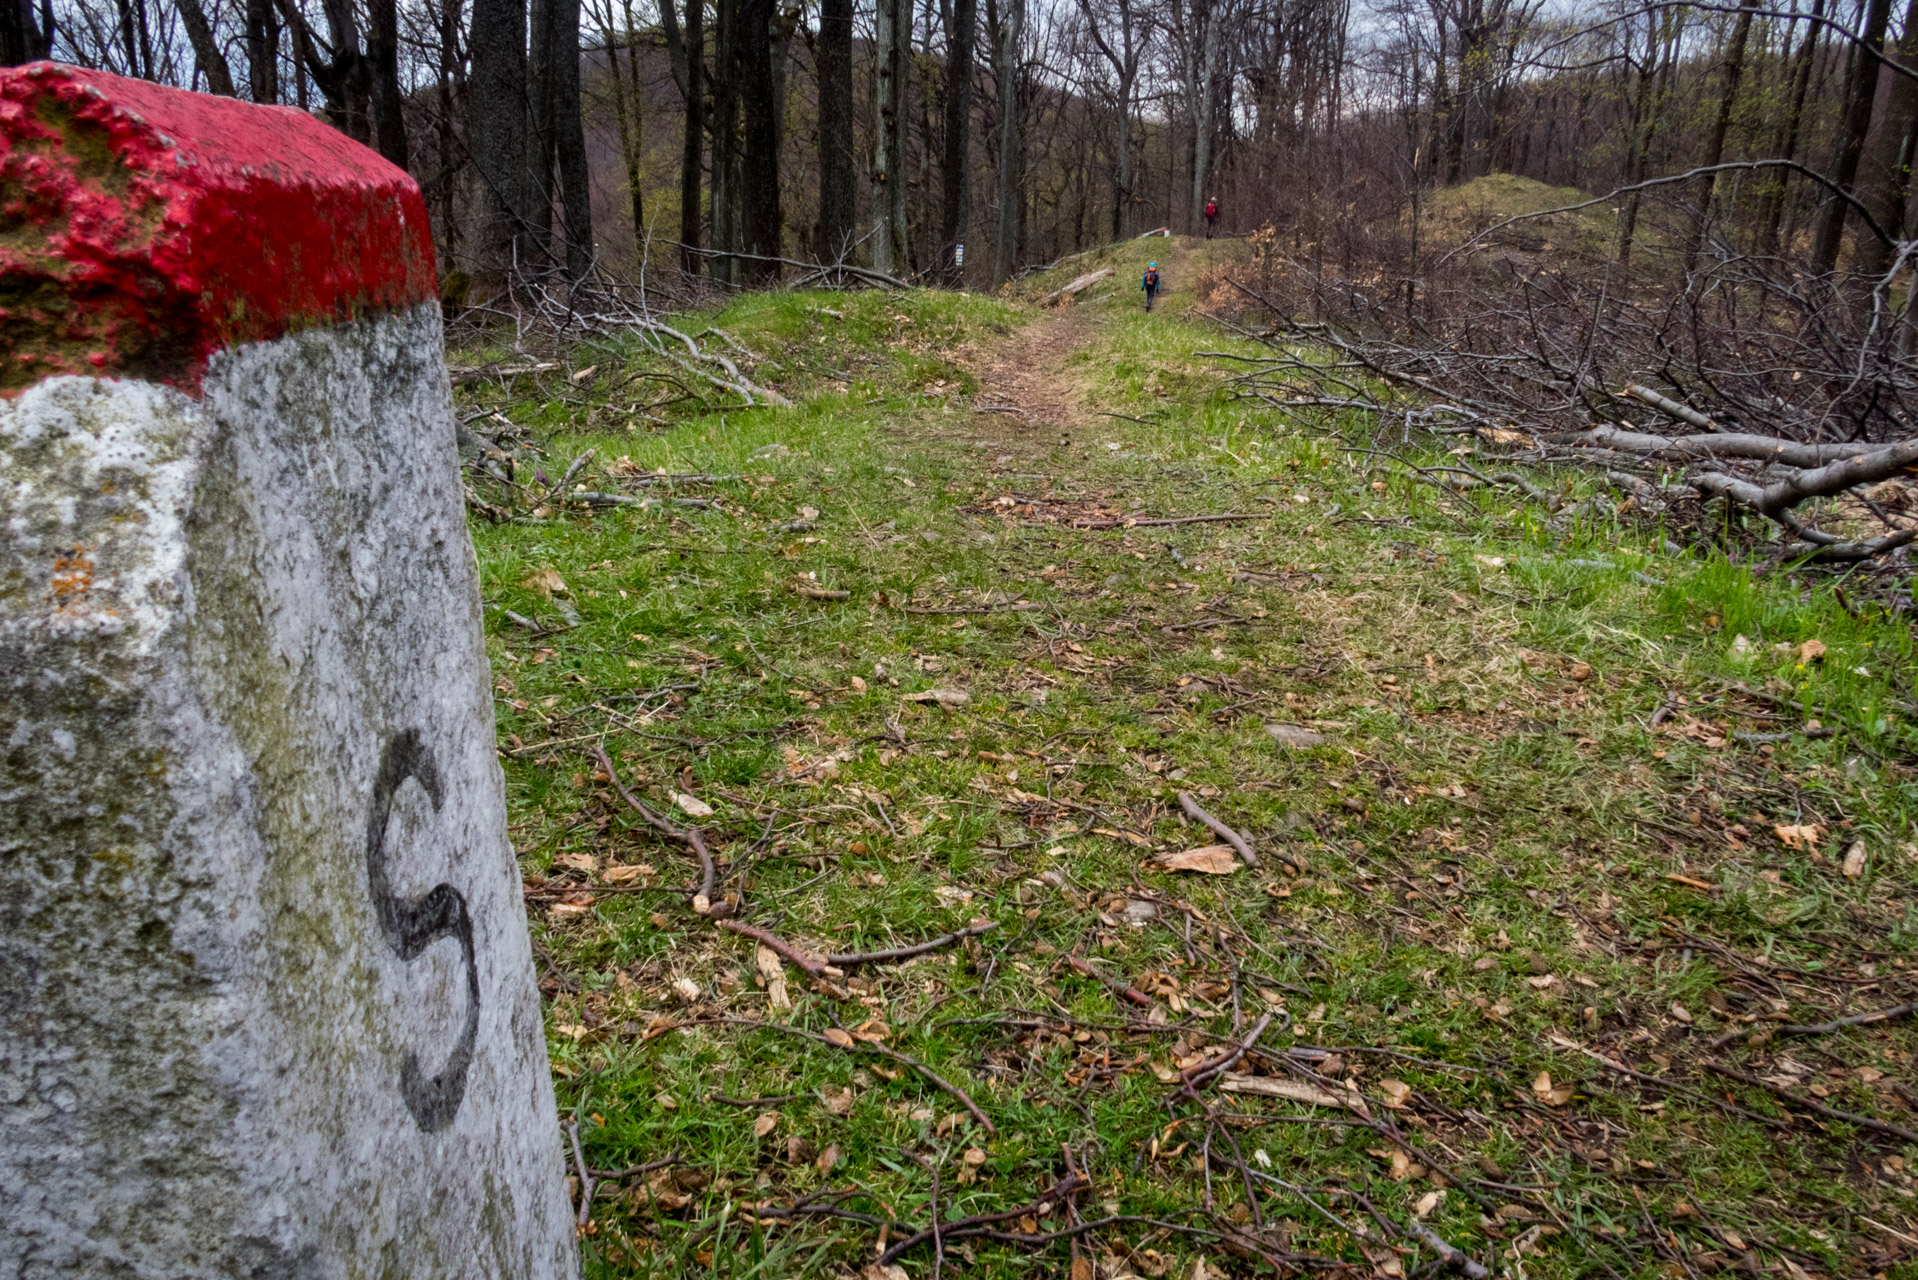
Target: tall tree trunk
(206, 49)
(1772, 209)
(927, 256)
(1888, 176)
(1443, 107)
(383, 58)
(544, 109)
(687, 55)
(1204, 109)
(348, 83)
(445, 186)
(892, 36)
(1005, 70)
(1703, 196)
(725, 183)
(693, 139)
(955, 210)
(21, 38)
(837, 164)
(503, 152)
(568, 132)
(1655, 82)
(1124, 62)
(263, 51)
(761, 227)
(1861, 94)
(629, 106)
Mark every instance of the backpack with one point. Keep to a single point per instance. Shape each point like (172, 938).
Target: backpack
(1151, 280)
(1212, 208)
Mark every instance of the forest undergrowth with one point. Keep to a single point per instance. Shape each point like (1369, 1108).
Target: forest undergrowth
(1583, 870)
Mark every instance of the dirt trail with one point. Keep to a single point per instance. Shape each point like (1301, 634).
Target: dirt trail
(1029, 374)
(1030, 371)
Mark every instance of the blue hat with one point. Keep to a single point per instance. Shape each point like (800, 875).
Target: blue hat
(1151, 264)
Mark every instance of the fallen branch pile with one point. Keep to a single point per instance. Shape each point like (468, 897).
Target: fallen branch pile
(1736, 391)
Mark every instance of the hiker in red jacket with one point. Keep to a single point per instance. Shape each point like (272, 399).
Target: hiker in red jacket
(1150, 283)
(1211, 216)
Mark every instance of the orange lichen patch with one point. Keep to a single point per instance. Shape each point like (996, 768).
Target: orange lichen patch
(72, 576)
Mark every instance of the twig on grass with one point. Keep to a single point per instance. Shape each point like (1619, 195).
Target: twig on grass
(965, 1099)
(813, 965)
(1812, 1104)
(853, 959)
(1194, 1076)
(1121, 989)
(1143, 522)
(1219, 829)
(690, 836)
(587, 1184)
(1821, 1028)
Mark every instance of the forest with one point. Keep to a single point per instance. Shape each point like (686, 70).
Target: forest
(747, 140)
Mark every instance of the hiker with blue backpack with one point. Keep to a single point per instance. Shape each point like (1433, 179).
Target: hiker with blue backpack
(1150, 283)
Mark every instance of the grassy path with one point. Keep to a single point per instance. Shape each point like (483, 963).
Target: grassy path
(1521, 886)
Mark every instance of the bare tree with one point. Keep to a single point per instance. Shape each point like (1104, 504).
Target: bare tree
(956, 196)
(1007, 18)
(836, 160)
(892, 40)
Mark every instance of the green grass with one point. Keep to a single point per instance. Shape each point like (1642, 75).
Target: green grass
(1488, 810)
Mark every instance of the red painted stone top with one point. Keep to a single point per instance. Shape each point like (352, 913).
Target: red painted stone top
(143, 228)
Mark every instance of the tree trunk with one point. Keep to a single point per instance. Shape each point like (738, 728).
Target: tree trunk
(687, 55)
(892, 37)
(1861, 94)
(263, 51)
(1888, 175)
(21, 38)
(445, 186)
(629, 105)
(568, 132)
(544, 114)
(693, 140)
(725, 185)
(348, 83)
(837, 164)
(1005, 70)
(956, 204)
(383, 58)
(1203, 111)
(206, 49)
(503, 154)
(1654, 83)
(761, 226)
(1703, 197)
(1772, 210)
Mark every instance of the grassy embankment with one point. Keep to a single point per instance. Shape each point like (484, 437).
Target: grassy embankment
(1504, 866)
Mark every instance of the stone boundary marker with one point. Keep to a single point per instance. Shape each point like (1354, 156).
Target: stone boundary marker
(266, 997)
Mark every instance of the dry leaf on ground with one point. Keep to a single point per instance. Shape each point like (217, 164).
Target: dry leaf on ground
(1800, 835)
(1212, 859)
(545, 581)
(944, 697)
(1292, 735)
(767, 961)
(692, 806)
(765, 1124)
(1293, 1090)
(839, 1037)
(1550, 1094)
(1854, 860)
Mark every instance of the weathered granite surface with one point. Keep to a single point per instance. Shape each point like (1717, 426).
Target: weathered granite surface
(266, 999)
